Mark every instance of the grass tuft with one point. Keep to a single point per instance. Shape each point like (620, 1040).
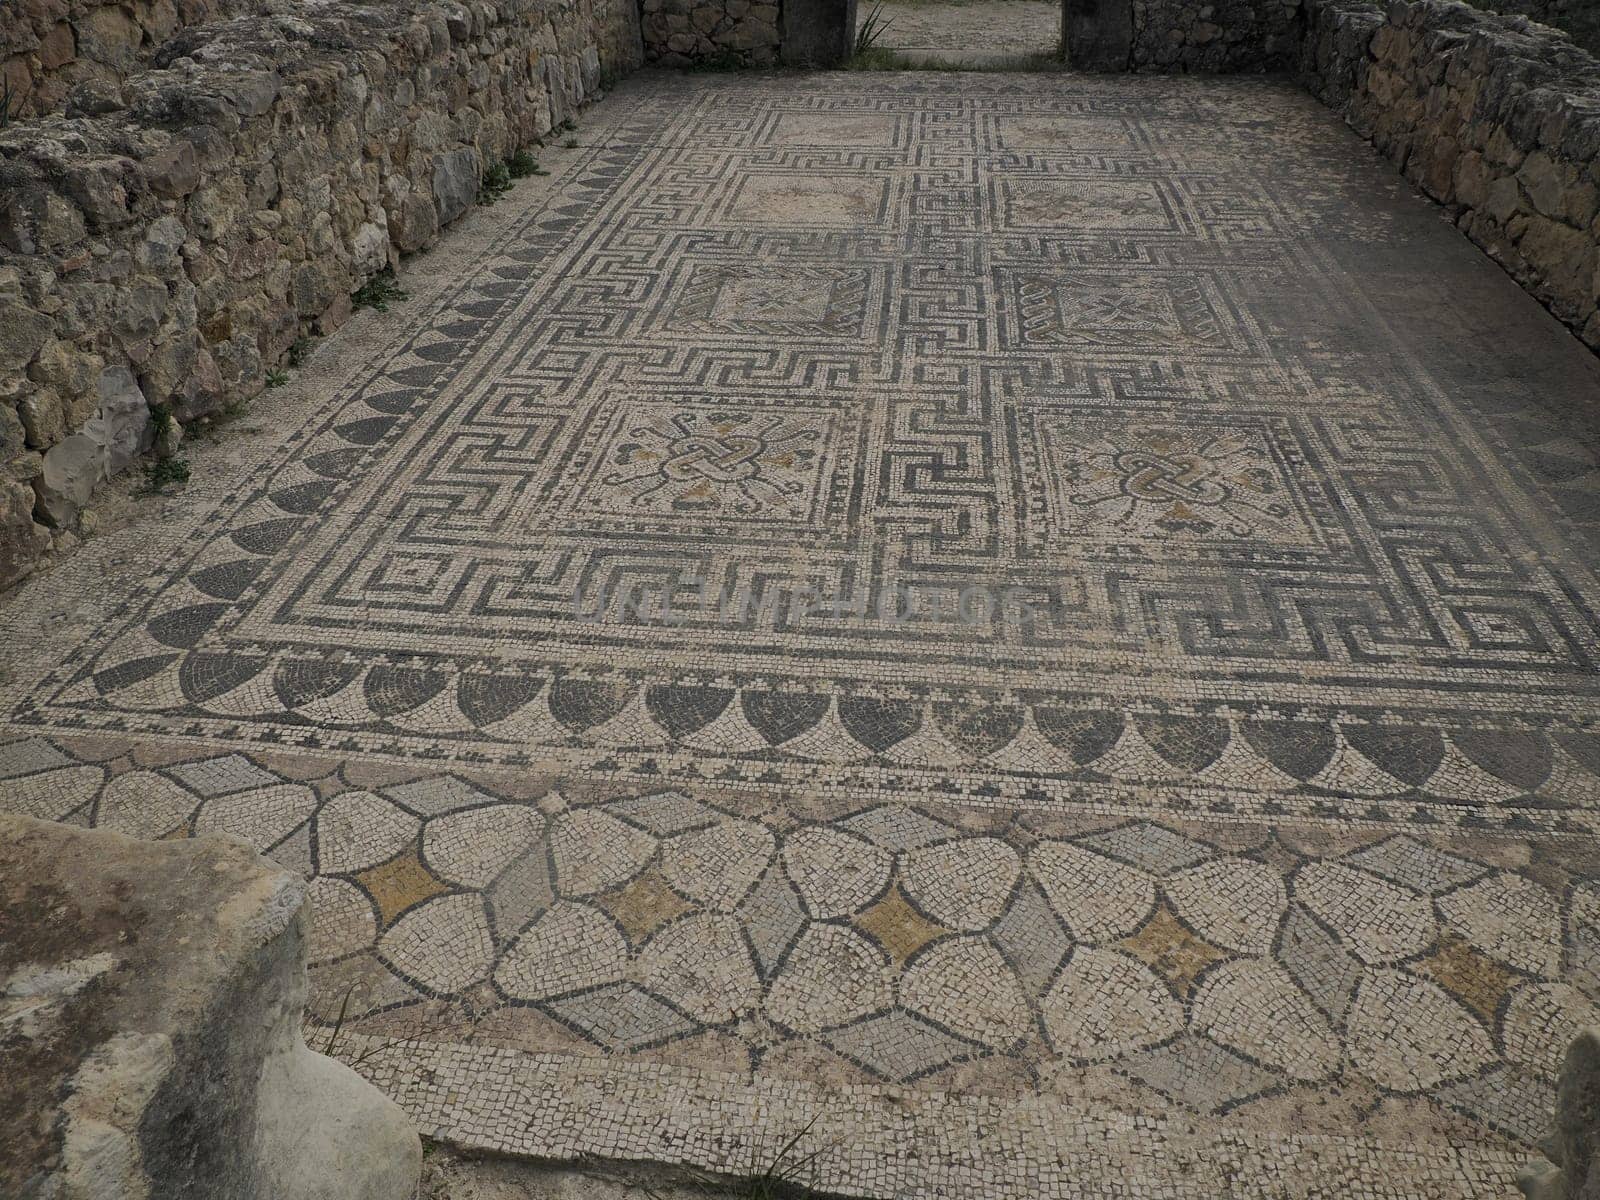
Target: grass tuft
(872, 28)
(378, 292)
(523, 164)
(496, 183)
(164, 473)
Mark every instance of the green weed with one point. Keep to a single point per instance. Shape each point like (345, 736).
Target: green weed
(378, 292)
(163, 473)
(871, 28)
(496, 183)
(523, 164)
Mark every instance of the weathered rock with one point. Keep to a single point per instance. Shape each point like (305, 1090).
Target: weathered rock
(1574, 1146)
(71, 469)
(121, 428)
(152, 994)
(455, 182)
(23, 332)
(22, 539)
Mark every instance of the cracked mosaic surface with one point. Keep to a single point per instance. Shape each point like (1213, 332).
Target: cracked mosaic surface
(1223, 773)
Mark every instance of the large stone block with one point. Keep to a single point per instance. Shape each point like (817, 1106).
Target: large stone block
(158, 1052)
(1574, 1146)
(121, 427)
(455, 182)
(71, 469)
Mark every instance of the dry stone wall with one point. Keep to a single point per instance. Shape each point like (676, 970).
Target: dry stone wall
(1497, 118)
(734, 33)
(1212, 35)
(48, 48)
(1182, 35)
(1580, 19)
(164, 247)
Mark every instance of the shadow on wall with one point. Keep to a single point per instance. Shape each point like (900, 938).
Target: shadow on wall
(731, 34)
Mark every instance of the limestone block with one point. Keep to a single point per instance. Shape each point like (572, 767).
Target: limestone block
(109, 35)
(44, 417)
(1565, 258)
(455, 182)
(73, 373)
(162, 242)
(178, 968)
(369, 249)
(121, 427)
(414, 223)
(38, 218)
(21, 540)
(71, 469)
(1504, 199)
(23, 332)
(1472, 177)
(1545, 183)
(173, 171)
(203, 392)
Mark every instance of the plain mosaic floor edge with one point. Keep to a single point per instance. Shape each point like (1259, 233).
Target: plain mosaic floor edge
(882, 1143)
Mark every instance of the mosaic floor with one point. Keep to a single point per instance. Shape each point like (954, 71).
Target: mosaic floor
(971, 32)
(1039, 630)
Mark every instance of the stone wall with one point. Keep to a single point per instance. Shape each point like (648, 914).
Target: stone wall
(1580, 19)
(50, 47)
(1182, 35)
(1212, 35)
(160, 254)
(732, 33)
(1496, 118)
(725, 34)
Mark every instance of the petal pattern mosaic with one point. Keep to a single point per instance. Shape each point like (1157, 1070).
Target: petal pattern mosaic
(1215, 965)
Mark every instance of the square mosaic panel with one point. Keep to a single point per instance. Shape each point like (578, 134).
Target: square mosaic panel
(1128, 479)
(1088, 205)
(1109, 312)
(672, 460)
(779, 300)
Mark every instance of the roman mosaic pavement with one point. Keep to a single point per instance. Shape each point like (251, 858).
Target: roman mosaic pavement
(1038, 630)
